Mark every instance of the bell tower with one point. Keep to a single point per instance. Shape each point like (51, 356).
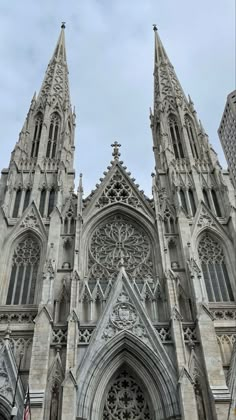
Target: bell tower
(41, 165)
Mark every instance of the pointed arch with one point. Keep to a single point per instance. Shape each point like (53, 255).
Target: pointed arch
(38, 124)
(191, 136)
(27, 198)
(215, 268)
(17, 202)
(24, 271)
(175, 137)
(53, 135)
(127, 350)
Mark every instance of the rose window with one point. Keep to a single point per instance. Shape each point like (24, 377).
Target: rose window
(119, 241)
(125, 400)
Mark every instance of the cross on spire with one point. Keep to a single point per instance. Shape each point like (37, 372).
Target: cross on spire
(116, 151)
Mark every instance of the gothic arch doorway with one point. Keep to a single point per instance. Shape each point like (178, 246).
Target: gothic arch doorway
(126, 398)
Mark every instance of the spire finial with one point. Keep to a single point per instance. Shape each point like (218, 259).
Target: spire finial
(154, 27)
(63, 25)
(116, 152)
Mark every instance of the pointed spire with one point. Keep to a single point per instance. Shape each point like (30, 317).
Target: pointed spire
(167, 87)
(55, 87)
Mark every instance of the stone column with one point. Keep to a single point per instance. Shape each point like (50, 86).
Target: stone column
(186, 391)
(40, 362)
(213, 363)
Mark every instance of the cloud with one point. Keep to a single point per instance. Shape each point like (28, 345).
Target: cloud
(110, 57)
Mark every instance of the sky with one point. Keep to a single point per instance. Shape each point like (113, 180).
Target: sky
(110, 53)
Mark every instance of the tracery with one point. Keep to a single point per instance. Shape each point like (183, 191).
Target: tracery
(126, 400)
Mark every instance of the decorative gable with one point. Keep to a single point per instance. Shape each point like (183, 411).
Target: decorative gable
(118, 187)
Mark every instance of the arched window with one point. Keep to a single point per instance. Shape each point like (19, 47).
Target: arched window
(191, 136)
(126, 399)
(214, 270)
(17, 203)
(206, 198)
(51, 201)
(192, 201)
(42, 201)
(216, 203)
(37, 134)
(27, 198)
(53, 136)
(169, 222)
(183, 200)
(175, 137)
(24, 269)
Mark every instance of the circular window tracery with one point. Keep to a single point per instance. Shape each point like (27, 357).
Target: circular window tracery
(119, 240)
(125, 400)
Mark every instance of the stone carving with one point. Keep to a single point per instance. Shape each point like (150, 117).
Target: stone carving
(59, 336)
(190, 334)
(119, 240)
(164, 333)
(5, 385)
(30, 221)
(124, 317)
(85, 335)
(205, 219)
(125, 400)
(17, 317)
(224, 314)
(118, 190)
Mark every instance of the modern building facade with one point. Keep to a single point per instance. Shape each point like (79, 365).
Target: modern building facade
(227, 134)
(116, 305)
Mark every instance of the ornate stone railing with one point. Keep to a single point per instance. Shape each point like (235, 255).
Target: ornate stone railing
(190, 332)
(59, 336)
(17, 315)
(223, 312)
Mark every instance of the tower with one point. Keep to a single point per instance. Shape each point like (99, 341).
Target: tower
(227, 133)
(122, 306)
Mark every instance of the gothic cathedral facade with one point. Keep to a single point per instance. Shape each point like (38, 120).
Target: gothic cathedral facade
(117, 306)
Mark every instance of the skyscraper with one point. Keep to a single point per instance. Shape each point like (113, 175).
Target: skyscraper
(227, 134)
(116, 305)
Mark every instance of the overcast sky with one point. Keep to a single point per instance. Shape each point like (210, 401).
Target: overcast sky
(110, 56)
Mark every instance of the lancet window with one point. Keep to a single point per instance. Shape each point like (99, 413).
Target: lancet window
(27, 198)
(214, 270)
(47, 202)
(183, 200)
(216, 203)
(69, 222)
(191, 137)
(24, 269)
(169, 222)
(37, 135)
(17, 202)
(175, 137)
(206, 198)
(51, 201)
(53, 136)
(192, 201)
(126, 399)
(42, 201)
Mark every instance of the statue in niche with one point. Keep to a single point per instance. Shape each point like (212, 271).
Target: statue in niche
(54, 403)
(200, 403)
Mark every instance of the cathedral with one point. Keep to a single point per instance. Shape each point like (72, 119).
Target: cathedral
(117, 306)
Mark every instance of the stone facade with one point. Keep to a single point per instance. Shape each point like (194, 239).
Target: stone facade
(118, 306)
(227, 134)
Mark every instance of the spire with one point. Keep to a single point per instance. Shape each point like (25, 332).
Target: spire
(167, 88)
(55, 87)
